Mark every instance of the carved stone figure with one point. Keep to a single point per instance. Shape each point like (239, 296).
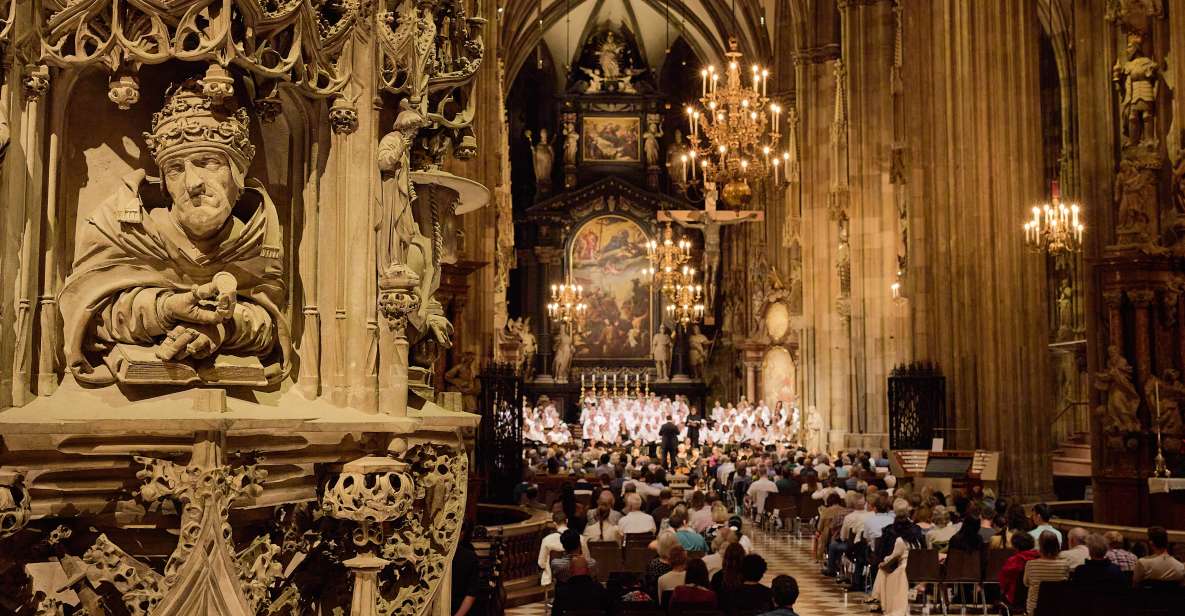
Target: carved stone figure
(1065, 312)
(402, 242)
(678, 169)
(1177, 219)
(543, 156)
(813, 440)
(698, 353)
(530, 347)
(562, 362)
(650, 143)
(5, 134)
(462, 378)
(188, 292)
(608, 56)
(1137, 76)
(660, 350)
(571, 143)
(1119, 410)
(595, 80)
(1135, 191)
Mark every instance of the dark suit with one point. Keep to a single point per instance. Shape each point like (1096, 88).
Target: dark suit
(1099, 574)
(670, 443)
(580, 592)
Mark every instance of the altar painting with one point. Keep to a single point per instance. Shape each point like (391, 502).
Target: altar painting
(607, 255)
(612, 139)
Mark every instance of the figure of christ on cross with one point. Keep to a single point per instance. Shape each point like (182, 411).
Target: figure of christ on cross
(709, 220)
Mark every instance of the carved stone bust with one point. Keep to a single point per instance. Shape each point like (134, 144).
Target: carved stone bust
(181, 285)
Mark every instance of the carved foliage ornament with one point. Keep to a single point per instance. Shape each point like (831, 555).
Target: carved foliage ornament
(291, 40)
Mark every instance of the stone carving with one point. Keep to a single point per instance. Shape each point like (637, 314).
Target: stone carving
(698, 354)
(463, 378)
(542, 155)
(660, 351)
(571, 143)
(1135, 192)
(1171, 393)
(608, 56)
(5, 133)
(678, 167)
(1065, 312)
(1119, 410)
(529, 348)
(564, 348)
(14, 504)
(1177, 218)
(1137, 77)
(813, 440)
(650, 142)
(191, 292)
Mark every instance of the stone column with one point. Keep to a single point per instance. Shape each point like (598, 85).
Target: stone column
(680, 355)
(977, 298)
(547, 257)
(1141, 299)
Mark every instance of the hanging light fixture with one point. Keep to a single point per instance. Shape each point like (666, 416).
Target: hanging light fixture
(668, 259)
(686, 305)
(735, 130)
(567, 305)
(1055, 226)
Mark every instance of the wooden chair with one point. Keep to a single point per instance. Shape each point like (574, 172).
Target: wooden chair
(643, 539)
(994, 564)
(964, 567)
(922, 568)
(637, 557)
(608, 556)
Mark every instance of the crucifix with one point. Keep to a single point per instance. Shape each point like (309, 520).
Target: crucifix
(709, 220)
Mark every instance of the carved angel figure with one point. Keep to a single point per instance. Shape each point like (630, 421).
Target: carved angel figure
(1123, 401)
(164, 293)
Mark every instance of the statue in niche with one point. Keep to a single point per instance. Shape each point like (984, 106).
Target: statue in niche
(191, 291)
(698, 353)
(1137, 77)
(571, 143)
(1065, 312)
(1135, 191)
(650, 143)
(529, 347)
(1119, 412)
(402, 243)
(677, 167)
(813, 440)
(543, 156)
(462, 378)
(608, 56)
(660, 350)
(564, 349)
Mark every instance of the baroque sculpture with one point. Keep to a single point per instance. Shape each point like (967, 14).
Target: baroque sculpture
(571, 143)
(1137, 77)
(187, 288)
(698, 355)
(660, 351)
(564, 349)
(1122, 402)
(462, 378)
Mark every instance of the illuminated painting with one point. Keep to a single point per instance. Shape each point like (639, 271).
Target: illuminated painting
(607, 256)
(612, 139)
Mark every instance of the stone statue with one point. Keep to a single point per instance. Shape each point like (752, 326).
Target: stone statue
(1123, 401)
(1135, 191)
(1178, 215)
(698, 353)
(595, 80)
(530, 347)
(814, 430)
(660, 350)
(191, 291)
(650, 143)
(1137, 77)
(403, 242)
(562, 361)
(608, 56)
(571, 143)
(1065, 312)
(677, 168)
(543, 156)
(463, 378)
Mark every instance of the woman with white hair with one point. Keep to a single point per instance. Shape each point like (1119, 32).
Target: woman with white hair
(939, 536)
(661, 564)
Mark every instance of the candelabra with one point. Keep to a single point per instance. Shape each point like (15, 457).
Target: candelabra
(686, 305)
(735, 134)
(1054, 227)
(667, 259)
(567, 305)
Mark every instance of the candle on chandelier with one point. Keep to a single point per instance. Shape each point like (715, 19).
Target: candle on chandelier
(764, 81)
(683, 167)
(775, 171)
(715, 85)
(704, 82)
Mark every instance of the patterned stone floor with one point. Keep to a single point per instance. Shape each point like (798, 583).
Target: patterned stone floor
(820, 596)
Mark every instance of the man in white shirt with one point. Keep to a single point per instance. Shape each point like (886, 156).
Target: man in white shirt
(1160, 566)
(759, 490)
(634, 521)
(724, 470)
(1078, 552)
(551, 543)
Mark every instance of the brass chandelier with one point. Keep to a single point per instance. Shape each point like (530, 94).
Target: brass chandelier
(1054, 227)
(687, 304)
(567, 305)
(735, 132)
(668, 260)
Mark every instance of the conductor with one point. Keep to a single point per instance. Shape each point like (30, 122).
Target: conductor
(670, 442)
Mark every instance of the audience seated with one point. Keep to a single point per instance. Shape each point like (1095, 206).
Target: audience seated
(1159, 566)
(939, 537)
(1046, 568)
(580, 592)
(1078, 552)
(1041, 517)
(784, 589)
(1125, 560)
(668, 581)
(729, 578)
(752, 595)
(694, 593)
(714, 561)
(1096, 571)
(661, 564)
(552, 543)
(688, 538)
(634, 521)
(1011, 574)
(573, 546)
(602, 521)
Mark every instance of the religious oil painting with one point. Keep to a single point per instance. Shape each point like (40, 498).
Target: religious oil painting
(608, 254)
(612, 139)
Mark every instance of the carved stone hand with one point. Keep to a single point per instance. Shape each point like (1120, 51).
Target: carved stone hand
(188, 307)
(441, 329)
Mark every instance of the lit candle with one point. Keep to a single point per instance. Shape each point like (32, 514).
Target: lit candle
(704, 81)
(764, 81)
(683, 167)
(775, 171)
(715, 77)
